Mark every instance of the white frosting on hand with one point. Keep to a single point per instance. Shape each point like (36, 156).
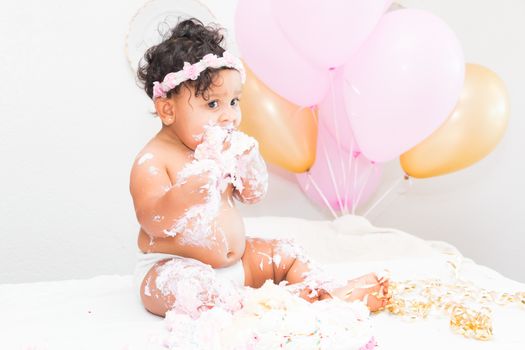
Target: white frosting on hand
(224, 156)
(252, 169)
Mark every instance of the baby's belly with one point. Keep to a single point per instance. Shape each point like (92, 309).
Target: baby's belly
(222, 247)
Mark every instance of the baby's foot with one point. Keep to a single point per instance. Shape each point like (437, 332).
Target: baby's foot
(370, 288)
(308, 295)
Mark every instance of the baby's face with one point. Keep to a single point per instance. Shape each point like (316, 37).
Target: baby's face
(194, 114)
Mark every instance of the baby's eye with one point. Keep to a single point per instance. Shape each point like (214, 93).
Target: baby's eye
(213, 104)
(235, 102)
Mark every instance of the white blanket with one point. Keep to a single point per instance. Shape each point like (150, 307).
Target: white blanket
(105, 313)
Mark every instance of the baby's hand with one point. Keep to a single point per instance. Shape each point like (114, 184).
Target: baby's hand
(213, 143)
(220, 142)
(240, 144)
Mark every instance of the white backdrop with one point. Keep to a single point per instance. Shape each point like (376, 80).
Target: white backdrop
(72, 120)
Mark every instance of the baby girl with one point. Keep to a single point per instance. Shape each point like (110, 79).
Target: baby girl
(194, 253)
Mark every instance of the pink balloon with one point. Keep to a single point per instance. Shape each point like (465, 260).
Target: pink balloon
(272, 58)
(333, 114)
(328, 32)
(403, 82)
(344, 179)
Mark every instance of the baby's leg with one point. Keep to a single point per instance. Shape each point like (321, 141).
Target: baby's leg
(369, 288)
(188, 286)
(277, 260)
(283, 260)
(152, 297)
(258, 262)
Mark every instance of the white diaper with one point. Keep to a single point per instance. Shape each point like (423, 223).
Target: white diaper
(145, 262)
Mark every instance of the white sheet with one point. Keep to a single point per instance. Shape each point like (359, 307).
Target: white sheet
(105, 313)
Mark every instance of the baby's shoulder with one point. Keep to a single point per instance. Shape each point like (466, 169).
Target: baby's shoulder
(163, 156)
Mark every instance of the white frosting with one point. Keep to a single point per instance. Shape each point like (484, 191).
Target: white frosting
(314, 279)
(153, 170)
(224, 240)
(273, 318)
(195, 334)
(277, 260)
(224, 157)
(144, 158)
(317, 278)
(288, 247)
(252, 168)
(196, 287)
(147, 287)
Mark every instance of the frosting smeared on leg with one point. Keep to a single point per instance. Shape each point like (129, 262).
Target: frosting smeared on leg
(315, 278)
(196, 287)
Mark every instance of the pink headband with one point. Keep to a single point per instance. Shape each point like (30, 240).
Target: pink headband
(192, 71)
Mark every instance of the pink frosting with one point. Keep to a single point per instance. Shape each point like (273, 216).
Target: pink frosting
(370, 345)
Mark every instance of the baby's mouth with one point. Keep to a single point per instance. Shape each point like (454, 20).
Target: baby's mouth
(229, 128)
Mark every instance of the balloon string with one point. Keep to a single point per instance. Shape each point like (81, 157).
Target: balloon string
(397, 182)
(354, 153)
(338, 139)
(325, 200)
(354, 188)
(311, 179)
(314, 115)
(347, 188)
(369, 173)
(332, 176)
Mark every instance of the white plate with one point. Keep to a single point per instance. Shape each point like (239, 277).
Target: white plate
(155, 19)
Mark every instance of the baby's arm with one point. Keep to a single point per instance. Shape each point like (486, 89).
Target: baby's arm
(161, 202)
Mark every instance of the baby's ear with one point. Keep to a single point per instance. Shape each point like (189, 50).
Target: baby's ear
(165, 108)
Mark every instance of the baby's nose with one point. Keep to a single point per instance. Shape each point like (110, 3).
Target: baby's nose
(228, 119)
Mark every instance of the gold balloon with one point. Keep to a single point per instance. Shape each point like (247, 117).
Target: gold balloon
(287, 133)
(471, 131)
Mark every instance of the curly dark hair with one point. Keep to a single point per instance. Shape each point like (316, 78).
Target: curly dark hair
(189, 41)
